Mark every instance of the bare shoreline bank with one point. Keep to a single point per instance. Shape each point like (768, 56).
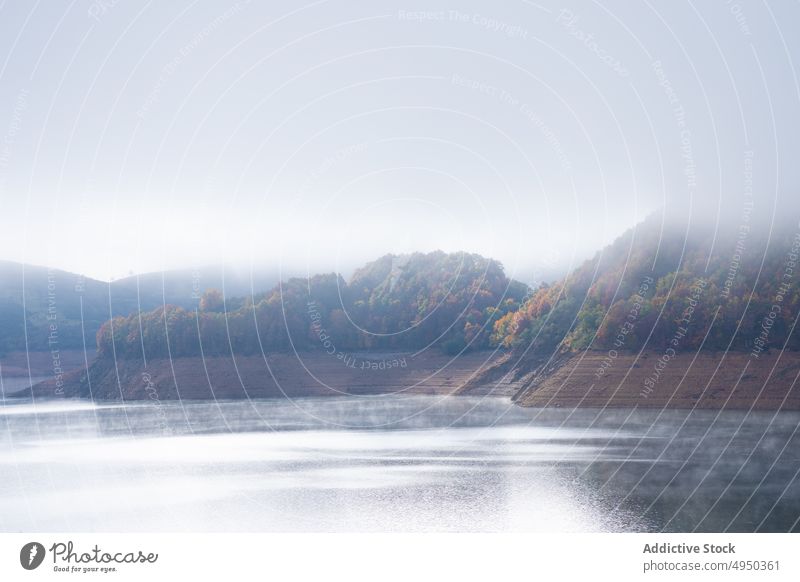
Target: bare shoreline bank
(707, 380)
(276, 375)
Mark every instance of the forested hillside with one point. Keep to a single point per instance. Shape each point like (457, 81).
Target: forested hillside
(663, 289)
(450, 301)
(654, 287)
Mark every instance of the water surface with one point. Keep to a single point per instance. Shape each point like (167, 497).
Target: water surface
(392, 463)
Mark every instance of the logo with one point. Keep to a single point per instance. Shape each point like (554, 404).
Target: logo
(31, 555)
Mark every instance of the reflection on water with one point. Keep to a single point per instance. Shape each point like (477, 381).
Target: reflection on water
(393, 464)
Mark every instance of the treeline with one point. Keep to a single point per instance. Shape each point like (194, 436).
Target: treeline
(448, 301)
(665, 292)
(662, 291)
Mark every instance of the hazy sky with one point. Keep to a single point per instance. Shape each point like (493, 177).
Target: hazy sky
(136, 136)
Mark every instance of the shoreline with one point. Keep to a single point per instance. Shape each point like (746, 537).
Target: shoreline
(706, 380)
(309, 374)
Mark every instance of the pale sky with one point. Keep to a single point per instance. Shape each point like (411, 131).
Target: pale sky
(139, 136)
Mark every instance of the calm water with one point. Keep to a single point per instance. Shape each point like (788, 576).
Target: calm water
(393, 464)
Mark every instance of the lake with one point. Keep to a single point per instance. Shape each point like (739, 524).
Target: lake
(393, 463)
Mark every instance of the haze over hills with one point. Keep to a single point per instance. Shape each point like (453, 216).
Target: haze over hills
(37, 297)
(705, 288)
(663, 318)
(656, 291)
(655, 288)
(60, 309)
(414, 315)
(418, 301)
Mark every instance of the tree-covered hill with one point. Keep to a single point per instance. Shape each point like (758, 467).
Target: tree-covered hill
(654, 287)
(663, 289)
(396, 302)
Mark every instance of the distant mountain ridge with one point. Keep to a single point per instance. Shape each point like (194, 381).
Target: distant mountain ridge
(659, 318)
(396, 302)
(60, 310)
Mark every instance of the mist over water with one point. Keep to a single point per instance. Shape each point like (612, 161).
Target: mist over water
(393, 464)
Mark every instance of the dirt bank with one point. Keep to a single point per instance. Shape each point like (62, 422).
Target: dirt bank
(309, 374)
(705, 380)
(589, 379)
